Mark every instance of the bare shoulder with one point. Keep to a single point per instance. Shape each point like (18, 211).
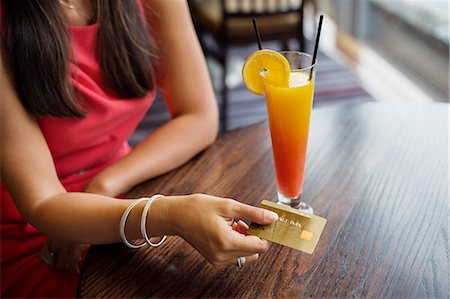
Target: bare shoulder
(167, 11)
(12, 111)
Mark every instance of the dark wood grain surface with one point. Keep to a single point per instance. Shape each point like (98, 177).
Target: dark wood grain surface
(378, 173)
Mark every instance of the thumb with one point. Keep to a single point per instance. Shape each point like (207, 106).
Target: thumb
(254, 214)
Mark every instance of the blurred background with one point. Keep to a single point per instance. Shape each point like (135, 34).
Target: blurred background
(370, 50)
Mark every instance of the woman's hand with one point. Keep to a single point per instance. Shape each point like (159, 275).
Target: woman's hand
(207, 223)
(67, 255)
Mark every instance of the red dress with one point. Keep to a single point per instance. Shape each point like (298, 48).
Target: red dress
(80, 148)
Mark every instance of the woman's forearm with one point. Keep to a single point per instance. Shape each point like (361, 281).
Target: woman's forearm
(92, 218)
(187, 89)
(203, 221)
(166, 148)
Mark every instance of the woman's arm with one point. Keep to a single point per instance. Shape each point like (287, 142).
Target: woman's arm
(188, 92)
(29, 174)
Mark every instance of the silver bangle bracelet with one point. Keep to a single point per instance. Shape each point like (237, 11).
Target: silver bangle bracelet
(123, 221)
(144, 222)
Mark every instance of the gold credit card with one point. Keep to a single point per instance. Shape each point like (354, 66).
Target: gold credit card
(294, 228)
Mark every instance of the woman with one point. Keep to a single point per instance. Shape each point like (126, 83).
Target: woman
(76, 78)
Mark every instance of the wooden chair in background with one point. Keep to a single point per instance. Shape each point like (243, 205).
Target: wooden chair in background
(228, 24)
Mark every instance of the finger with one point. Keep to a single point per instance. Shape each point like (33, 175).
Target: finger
(72, 267)
(242, 227)
(74, 258)
(53, 247)
(236, 254)
(62, 257)
(254, 214)
(46, 256)
(249, 259)
(45, 248)
(248, 243)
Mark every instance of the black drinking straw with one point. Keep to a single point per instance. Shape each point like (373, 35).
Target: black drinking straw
(316, 46)
(257, 33)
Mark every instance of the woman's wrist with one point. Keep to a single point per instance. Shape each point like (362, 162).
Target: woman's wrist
(160, 220)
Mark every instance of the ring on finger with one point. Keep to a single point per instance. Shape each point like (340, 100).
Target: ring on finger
(49, 257)
(241, 261)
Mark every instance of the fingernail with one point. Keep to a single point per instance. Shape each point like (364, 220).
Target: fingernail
(271, 216)
(243, 224)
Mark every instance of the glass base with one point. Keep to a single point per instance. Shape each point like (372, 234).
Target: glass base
(295, 203)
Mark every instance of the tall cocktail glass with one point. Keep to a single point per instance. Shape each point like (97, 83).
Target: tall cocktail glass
(289, 109)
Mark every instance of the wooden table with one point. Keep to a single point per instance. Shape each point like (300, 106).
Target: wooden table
(379, 175)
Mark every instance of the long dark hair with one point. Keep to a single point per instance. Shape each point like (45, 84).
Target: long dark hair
(37, 53)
